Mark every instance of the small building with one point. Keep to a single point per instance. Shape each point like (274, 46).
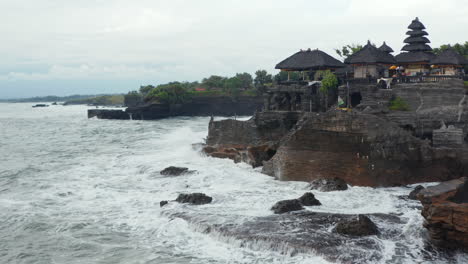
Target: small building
(385, 48)
(370, 62)
(417, 54)
(449, 62)
(308, 62)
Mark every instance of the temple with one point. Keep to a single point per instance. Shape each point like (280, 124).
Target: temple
(367, 78)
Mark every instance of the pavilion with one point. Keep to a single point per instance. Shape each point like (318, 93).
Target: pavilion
(371, 62)
(308, 62)
(449, 62)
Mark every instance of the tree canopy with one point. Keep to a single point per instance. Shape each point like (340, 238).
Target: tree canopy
(348, 50)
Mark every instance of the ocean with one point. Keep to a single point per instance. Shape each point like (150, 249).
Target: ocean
(79, 190)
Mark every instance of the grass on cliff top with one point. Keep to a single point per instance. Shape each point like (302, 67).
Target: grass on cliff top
(466, 84)
(215, 93)
(398, 104)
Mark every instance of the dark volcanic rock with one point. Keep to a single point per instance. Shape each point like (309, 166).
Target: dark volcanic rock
(194, 198)
(328, 185)
(445, 208)
(362, 226)
(413, 195)
(308, 199)
(285, 206)
(163, 203)
(174, 171)
(305, 232)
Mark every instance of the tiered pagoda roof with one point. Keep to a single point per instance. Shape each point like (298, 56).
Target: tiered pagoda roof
(416, 45)
(370, 55)
(309, 60)
(449, 57)
(385, 48)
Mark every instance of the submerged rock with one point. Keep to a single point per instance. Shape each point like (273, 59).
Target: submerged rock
(413, 195)
(328, 185)
(163, 203)
(308, 199)
(174, 171)
(194, 198)
(362, 226)
(445, 208)
(285, 206)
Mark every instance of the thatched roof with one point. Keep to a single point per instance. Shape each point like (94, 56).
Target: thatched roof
(417, 47)
(449, 57)
(416, 24)
(385, 48)
(413, 57)
(414, 39)
(417, 33)
(309, 60)
(370, 55)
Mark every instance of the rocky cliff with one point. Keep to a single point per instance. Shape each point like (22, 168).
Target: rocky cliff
(362, 149)
(198, 106)
(445, 208)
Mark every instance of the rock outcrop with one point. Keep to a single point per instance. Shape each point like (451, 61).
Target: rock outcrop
(445, 209)
(286, 206)
(329, 185)
(413, 195)
(197, 106)
(174, 171)
(362, 226)
(194, 198)
(308, 199)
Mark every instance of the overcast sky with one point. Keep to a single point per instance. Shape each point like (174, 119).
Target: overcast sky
(63, 47)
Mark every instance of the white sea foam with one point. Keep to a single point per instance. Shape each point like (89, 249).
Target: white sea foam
(78, 190)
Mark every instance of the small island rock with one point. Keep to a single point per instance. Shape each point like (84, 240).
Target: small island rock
(308, 199)
(174, 171)
(194, 198)
(328, 185)
(362, 226)
(285, 206)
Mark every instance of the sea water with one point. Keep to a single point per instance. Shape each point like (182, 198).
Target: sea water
(78, 190)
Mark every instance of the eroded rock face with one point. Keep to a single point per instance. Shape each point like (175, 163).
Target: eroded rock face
(253, 141)
(285, 206)
(328, 185)
(363, 150)
(194, 198)
(445, 208)
(174, 171)
(308, 199)
(362, 226)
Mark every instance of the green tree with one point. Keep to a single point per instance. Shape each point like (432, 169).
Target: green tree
(133, 98)
(145, 89)
(172, 93)
(246, 79)
(262, 80)
(282, 76)
(232, 85)
(214, 81)
(348, 50)
(329, 82)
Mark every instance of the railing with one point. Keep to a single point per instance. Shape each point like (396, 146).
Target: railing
(428, 78)
(293, 83)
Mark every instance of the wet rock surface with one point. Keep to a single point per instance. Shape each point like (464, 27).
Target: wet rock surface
(194, 198)
(445, 209)
(362, 226)
(286, 206)
(301, 232)
(163, 203)
(328, 185)
(174, 171)
(413, 195)
(308, 199)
